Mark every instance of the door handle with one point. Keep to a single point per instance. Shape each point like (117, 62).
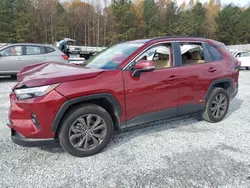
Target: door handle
(211, 69)
(172, 78)
(19, 59)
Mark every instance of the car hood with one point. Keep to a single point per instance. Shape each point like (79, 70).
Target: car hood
(52, 72)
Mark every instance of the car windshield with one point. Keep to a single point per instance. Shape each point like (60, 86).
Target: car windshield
(111, 57)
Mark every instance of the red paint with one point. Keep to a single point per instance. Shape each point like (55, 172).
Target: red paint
(151, 91)
(144, 64)
(44, 107)
(195, 80)
(52, 72)
(109, 81)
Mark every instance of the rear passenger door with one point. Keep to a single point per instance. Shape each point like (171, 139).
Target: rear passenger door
(200, 63)
(34, 54)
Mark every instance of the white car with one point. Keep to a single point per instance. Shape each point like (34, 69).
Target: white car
(244, 58)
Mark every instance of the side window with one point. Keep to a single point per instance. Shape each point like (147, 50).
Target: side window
(214, 53)
(161, 54)
(34, 50)
(12, 51)
(49, 50)
(192, 53)
(245, 54)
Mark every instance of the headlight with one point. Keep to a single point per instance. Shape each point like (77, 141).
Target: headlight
(32, 92)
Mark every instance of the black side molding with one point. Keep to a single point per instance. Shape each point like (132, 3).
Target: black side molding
(163, 114)
(67, 104)
(154, 116)
(222, 80)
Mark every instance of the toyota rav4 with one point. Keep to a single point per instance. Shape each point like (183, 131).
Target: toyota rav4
(125, 85)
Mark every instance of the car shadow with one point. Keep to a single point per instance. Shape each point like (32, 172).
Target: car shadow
(121, 137)
(234, 106)
(52, 148)
(8, 79)
(124, 136)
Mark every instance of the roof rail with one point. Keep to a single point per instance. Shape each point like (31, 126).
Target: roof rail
(167, 37)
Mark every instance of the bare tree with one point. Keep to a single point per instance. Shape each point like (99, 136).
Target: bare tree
(105, 22)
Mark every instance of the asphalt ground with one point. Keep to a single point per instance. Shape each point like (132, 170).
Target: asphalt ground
(184, 152)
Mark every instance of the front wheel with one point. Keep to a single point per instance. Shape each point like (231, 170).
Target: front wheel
(86, 130)
(217, 106)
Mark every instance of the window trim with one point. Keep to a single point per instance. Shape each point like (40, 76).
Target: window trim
(177, 53)
(46, 49)
(212, 60)
(22, 50)
(25, 49)
(125, 68)
(192, 42)
(207, 55)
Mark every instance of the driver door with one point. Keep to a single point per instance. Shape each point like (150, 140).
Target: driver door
(11, 59)
(153, 95)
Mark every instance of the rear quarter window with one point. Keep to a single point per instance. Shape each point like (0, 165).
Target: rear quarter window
(49, 50)
(214, 53)
(34, 50)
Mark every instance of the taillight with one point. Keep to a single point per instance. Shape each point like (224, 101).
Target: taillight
(239, 63)
(65, 57)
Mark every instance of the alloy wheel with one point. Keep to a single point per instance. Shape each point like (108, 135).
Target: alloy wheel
(219, 105)
(87, 132)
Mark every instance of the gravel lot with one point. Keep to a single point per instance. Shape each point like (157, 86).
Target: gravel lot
(185, 152)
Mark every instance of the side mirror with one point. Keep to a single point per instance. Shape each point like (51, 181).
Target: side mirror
(143, 66)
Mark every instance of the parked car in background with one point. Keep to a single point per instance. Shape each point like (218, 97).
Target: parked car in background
(76, 55)
(126, 85)
(14, 57)
(244, 58)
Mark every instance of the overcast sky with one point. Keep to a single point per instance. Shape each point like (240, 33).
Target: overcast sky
(236, 2)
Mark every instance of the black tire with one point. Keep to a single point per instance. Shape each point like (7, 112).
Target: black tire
(208, 114)
(73, 116)
(247, 68)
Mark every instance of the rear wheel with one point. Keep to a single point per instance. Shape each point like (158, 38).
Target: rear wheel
(86, 131)
(247, 68)
(217, 106)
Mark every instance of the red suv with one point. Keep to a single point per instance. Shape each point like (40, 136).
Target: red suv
(128, 84)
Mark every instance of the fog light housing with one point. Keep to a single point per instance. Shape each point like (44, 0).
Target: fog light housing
(35, 120)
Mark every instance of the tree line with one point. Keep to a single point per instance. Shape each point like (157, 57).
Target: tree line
(103, 23)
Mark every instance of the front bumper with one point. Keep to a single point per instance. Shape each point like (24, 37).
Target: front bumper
(21, 122)
(19, 139)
